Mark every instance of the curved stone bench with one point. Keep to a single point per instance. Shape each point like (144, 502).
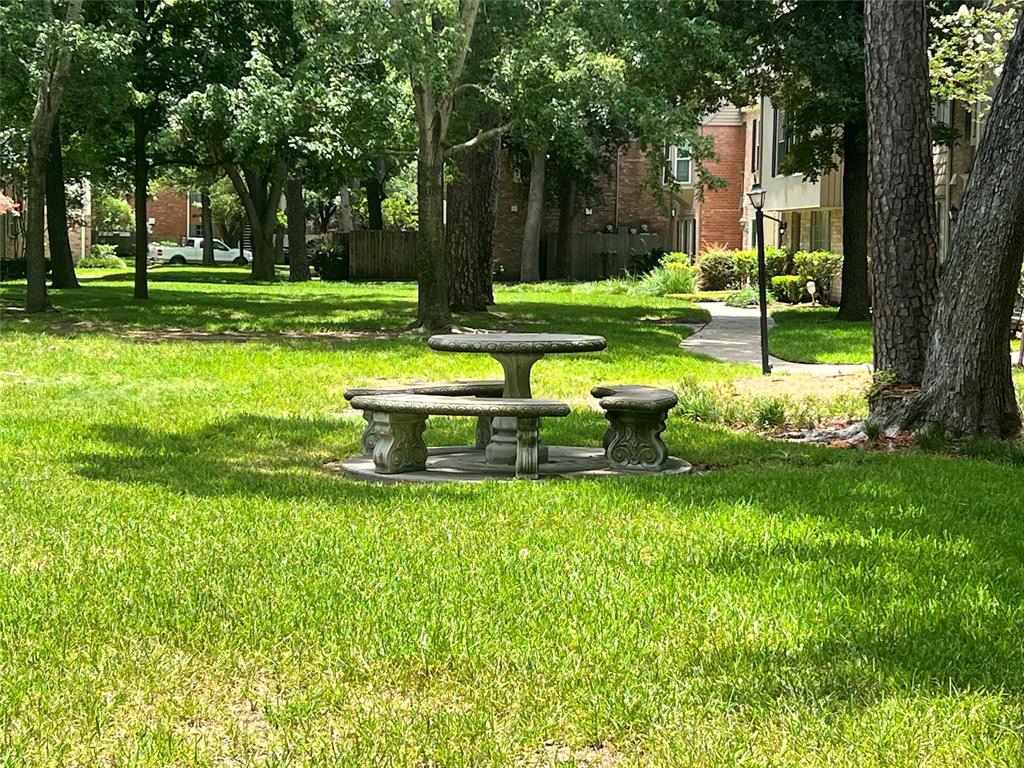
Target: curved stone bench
(637, 416)
(400, 419)
(442, 388)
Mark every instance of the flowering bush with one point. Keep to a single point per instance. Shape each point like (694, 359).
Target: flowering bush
(7, 205)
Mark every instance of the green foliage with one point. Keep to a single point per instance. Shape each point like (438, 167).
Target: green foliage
(102, 256)
(776, 262)
(744, 297)
(399, 213)
(330, 260)
(881, 382)
(110, 213)
(790, 289)
(965, 48)
(744, 267)
(673, 275)
(819, 266)
(715, 268)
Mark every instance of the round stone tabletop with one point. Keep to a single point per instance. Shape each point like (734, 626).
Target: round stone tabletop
(536, 343)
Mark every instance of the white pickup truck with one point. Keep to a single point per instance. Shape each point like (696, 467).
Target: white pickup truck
(192, 253)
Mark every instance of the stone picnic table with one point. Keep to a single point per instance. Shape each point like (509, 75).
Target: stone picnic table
(517, 352)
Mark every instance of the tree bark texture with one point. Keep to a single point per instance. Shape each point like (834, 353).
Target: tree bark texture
(855, 303)
(903, 222)
(472, 215)
(431, 260)
(298, 263)
(566, 219)
(206, 227)
(374, 200)
(967, 388)
(37, 299)
(345, 221)
(62, 263)
(260, 193)
(529, 269)
(48, 97)
(141, 289)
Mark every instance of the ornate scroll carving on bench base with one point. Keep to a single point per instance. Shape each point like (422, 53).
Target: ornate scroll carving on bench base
(399, 445)
(527, 445)
(633, 441)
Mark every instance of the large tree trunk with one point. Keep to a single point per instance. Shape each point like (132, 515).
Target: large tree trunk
(36, 299)
(855, 303)
(141, 290)
(48, 98)
(374, 200)
(432, 312)
(529, 269)
(62, 264)
(298, 263)
(902, 210)
(345, 221)
(206, 227)
(472, 214)
(566, 219)
(261, 196)
(967, 388)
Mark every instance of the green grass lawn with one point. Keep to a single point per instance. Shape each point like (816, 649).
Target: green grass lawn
(182, 583)
(815, 335)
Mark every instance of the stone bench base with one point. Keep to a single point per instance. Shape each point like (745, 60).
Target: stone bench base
(637, 415)
(399, 421)
(468, 388)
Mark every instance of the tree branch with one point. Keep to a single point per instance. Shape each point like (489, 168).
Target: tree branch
(468, 16)
(480, 138)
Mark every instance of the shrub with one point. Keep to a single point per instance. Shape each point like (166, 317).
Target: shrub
(744, 297)
(641, 264)
(790, 289)
(819, 266)
(16, 269)
(102, 256)
(111, 213)
(330, 260)
(716, 269)
(744, 267)
(673, 275)
(776, 262)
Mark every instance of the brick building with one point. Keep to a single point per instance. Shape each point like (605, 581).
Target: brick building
(627, 202)
(173, 215)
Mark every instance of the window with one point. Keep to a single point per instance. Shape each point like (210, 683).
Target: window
(753, 232)
(782, 143)
(821, 230)
(678, 165)
(794, 232)
(942, 112)
(755, 146)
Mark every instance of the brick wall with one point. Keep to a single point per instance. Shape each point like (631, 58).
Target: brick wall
(170, 215)
(718, 215)
(624, 200)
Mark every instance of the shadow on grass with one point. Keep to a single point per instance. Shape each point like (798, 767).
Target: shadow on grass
(917, 585)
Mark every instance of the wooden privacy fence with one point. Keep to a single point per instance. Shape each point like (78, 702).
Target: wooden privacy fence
(391, 255)
(380, 254)
(595, 255)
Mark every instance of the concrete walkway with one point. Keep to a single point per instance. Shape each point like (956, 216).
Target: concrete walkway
(734, 336)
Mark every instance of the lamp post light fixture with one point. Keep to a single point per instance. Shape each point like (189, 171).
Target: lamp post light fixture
(757, 195)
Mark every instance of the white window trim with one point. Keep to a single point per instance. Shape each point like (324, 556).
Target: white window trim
(672, 157)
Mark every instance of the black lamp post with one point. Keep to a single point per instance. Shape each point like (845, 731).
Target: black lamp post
(756, 195)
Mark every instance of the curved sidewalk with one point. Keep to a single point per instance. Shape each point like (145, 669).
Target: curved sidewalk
(733, 336)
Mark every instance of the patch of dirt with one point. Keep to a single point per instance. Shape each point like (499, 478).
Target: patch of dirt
(552, 754)
(800, 385)
(152, 335)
